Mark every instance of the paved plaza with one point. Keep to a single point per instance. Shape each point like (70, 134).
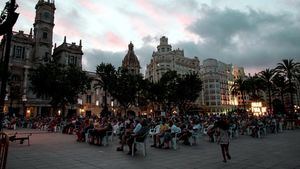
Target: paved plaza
(60, 151)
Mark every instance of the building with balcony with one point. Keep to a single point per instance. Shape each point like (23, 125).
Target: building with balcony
(165, 59)
(30, 50)
(218, 78)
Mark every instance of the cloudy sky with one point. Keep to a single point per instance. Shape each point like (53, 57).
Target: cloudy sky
(255, 34)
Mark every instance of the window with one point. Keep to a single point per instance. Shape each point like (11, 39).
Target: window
(88, 99)
(72, 60)
(45, 35)
(46, 58)
(19, 52)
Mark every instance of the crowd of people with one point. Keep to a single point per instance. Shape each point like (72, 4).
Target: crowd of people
(163, 130)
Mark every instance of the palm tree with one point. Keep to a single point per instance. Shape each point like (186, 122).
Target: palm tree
(288, 69)
(253, 87)
(239, 87)
(106, 74)
(280, 85)
(266, 76)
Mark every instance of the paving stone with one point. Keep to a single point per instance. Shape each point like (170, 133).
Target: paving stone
(56, 150)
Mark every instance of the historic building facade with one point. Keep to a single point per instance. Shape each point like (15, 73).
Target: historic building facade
(165, 59)
(218, 79)
(93, 101)
(30, 50)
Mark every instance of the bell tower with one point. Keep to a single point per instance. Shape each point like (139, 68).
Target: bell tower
(43, 30)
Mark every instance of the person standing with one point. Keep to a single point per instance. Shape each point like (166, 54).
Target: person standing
(223, 139)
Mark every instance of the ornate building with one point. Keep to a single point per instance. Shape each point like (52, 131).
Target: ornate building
(165, 59)
(68, 53)
(29, 50)
(218, 78)
(131, 61)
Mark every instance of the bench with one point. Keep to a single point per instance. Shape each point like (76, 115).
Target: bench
(22, 139)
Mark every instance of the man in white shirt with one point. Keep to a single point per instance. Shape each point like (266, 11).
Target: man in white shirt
(135, 132)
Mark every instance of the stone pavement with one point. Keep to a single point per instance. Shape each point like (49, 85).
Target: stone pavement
(60, 151)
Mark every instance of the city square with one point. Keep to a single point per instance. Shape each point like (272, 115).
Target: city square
(61, 151)
(195, 84)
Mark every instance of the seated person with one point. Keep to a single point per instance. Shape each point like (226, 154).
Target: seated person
(100, 131)
(129, 126)
(197, 126)
(139, 132)
(169, 134)
(163, 129)
(185, 134)
(83, 129)
(155, 133)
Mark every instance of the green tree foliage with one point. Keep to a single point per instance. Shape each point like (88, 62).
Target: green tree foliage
(288, 68)
(280, 86)
(155, 93)
(253, 87)
(169, 84)
(62, 84)
(240, 87)
(126, 88)
(106, 74)
(175, 91)
(187, 91)
(266, 76)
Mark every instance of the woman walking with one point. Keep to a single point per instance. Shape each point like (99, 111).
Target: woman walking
(223, 139)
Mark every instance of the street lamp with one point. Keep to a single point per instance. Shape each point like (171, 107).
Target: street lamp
(8, 18)
(24, 100)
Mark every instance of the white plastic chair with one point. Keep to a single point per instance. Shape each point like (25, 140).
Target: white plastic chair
(108, 137)
(141, 144)
(174, 141)
(196, 135)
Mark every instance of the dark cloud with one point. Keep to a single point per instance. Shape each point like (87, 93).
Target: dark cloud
(251, 38)
(94, 57)
(175, 5)
(144, 55)
(150, 39)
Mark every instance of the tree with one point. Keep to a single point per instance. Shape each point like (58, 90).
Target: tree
(126, 88)
(169, 83)
(62, 84)
(155, 93)
(187, 90)
(240, 87)
(173, 90)
(288, 69)
(280, 85)
(266, 77)
(253, 87)
(106, 77)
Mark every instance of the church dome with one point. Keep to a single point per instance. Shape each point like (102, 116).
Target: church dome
(131, 61)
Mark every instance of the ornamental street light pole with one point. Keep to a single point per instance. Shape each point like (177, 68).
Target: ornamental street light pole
(7, 20)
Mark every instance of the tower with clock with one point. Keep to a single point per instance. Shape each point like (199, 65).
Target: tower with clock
(43, 30)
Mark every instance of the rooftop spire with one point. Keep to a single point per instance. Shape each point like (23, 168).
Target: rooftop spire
(130, 46)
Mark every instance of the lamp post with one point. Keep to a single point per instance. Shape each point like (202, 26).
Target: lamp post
(7, 20)
(24, 100)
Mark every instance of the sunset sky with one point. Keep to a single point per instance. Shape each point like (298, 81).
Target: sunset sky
(254, 34)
